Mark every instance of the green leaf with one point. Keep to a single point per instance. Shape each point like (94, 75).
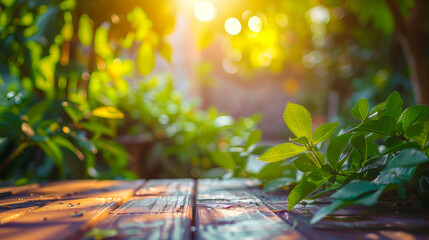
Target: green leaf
(298, 120)
(54, 152)
(371, 148)
(306, 187)
(411, 115)
(253, 138)
(306, 163)
(300, 140)
(101, 42)
(281, 151)
(419, 132)
(323, 132)
(278, 183)
(336, 148)
(327, 168)
(366, 200)
(408, 158)
(385, 125)
(35, 113)
(277, 170)
(74, 113)
(355, 189)
(325, 211)
(82, 141)
(359, 142)
(85, 31)
(108, 112)
(63, 142)
(360, 109)
(393, 105)
(392, 141)
(377, 108)
(145, 58)
(97, 128)
(223, 159)
(398, 175)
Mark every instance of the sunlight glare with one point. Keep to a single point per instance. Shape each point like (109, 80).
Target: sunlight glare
(204, 11)
(232, 26)
(255, 24)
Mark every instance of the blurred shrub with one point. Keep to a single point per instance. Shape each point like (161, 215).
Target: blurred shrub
(62, 84)
(180, 136)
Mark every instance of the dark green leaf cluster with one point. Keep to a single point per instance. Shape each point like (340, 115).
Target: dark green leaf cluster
(388, 150)
(69, 139)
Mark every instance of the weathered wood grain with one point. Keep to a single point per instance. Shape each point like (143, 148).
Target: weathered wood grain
(82, 204)
(168, 187)
(8, 191)
(111, 188)
(27, 198)
(59, 220)
(226, 209)
(161, 209)
(27, 201)
(164, 216)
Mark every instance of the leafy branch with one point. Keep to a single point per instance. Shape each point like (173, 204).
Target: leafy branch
(382, 153)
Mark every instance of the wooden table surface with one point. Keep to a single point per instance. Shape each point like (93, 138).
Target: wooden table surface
(188, 209)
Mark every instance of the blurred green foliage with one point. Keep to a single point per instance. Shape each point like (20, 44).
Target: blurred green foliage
(181, 137)
(65, 94)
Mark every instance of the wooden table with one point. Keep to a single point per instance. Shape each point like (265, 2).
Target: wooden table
(187, 209)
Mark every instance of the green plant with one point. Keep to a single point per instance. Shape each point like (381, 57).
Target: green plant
(386, 151)
(69, 138)
(178, 134)
(52, 124)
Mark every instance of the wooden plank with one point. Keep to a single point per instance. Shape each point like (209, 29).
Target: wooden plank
(168, 187)
(226, 209)
(156, 205)
(59, 220)
(379, 222)
(11, 190)
(73, 213)
(29, 198)
(112, 188)
(24, 202)
(151, 216)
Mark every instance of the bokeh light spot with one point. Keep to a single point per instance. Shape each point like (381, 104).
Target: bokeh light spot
(232, 26)
(234, 54)
(204, 11)
(319, 15)
(282, 20)
(291, 86)
(229, 67)
(255, 24)
(115, 19)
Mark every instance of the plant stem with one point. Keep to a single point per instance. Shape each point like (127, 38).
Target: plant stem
(314, 154)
